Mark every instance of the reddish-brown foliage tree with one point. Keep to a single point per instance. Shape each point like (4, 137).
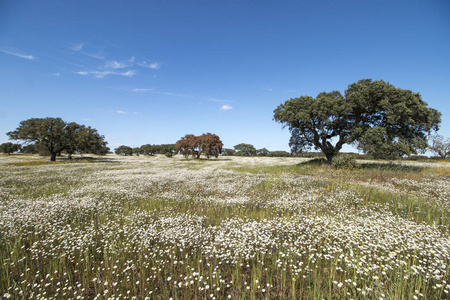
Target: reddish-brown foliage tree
(207, 144)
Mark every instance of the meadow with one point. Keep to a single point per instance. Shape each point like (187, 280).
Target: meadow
(227, 228)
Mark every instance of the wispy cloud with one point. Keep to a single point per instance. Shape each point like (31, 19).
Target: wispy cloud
(148, 65)
(116, 65)
(121, 112)
(142, 90)
(102, 74)
(29, 57)
(76, 47)
(100, 55)
(57, 74)
(86, 119)
(226, 107)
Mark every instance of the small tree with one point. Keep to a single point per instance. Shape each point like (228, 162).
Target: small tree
(262, 152)
(243, 149)
(124, 150)
(440, 146)
(228, 152)
(9, 148)
(30, 149)
(137, 150)
(82, 139)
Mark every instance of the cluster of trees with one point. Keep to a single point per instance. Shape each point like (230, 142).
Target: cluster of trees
(380, 119)
(9, 148)
(54, 136)
(244, 149)
(207, 144)
(146, 149)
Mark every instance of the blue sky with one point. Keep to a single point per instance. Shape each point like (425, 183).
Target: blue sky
(152, 71)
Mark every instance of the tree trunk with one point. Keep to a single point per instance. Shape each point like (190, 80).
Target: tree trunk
(329, 158)
(53, 156)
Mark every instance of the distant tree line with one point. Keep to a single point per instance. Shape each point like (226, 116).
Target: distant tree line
(147, 149)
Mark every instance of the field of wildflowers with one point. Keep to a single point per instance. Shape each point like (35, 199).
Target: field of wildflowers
(227, 228)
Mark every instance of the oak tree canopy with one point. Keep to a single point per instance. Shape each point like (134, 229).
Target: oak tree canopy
(379, 118)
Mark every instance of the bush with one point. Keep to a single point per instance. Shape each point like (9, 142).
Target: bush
(168, 154)
(345, 162)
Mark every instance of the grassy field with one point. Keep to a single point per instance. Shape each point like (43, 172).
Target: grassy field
(228, 228)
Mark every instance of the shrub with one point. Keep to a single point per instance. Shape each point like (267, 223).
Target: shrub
(346, 162)
(168, 154)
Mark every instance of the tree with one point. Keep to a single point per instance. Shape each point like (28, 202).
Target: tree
(30, 149)
(440, 146)
(262, 152)
(188, 145)
(379, 118)
(137, 150)
(147, 149)
(9, 148)
(82, 139)
(279, 153)
(245, 149)
(228, 152)
(54, 136)
(207, 144)
(124, 150)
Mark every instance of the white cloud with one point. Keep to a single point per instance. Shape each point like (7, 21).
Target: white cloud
(102, 74)
(86, 119)
(116, 65)
(29, 57)
(121, 112)
(145, 64)
(57, 74)
(226, 107)
(100, 55)
(76, 47)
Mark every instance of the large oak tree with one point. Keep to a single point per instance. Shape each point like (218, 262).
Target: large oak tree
(56, 136)
(379, 118)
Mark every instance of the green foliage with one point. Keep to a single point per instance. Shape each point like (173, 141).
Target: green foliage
(279, 154)
(30, 149)
(9, 148)
(169, 154)
(262, 152)
(243, 149)
(228, 152)
(137, 151)
(382, 120)
(124, 150)
(53, 135)
(345, 162)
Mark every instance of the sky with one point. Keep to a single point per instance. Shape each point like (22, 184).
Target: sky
(150, 72)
